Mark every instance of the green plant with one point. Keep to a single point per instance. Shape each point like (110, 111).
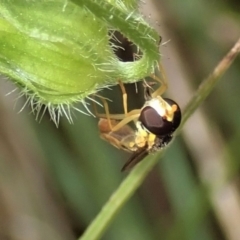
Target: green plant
(58, 52)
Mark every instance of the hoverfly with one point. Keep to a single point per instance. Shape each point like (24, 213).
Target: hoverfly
(154, 124)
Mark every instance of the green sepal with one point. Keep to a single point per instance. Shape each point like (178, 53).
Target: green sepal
(58, 51)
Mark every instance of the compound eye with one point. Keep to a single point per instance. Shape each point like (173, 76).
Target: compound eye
(157, 124)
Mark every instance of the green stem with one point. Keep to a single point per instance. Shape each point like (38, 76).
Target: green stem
(117, 200)
(138, 174)
(209, 83)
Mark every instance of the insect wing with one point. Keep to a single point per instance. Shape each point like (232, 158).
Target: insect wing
(123, 138)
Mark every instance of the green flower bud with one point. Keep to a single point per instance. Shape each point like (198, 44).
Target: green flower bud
(58, 51)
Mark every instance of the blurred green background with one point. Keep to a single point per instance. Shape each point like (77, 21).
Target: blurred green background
(54, 181)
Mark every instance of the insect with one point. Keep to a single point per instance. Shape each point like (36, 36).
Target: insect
(154, 124)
